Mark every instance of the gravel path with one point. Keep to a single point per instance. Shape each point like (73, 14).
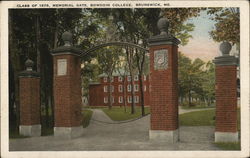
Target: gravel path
(126, 136)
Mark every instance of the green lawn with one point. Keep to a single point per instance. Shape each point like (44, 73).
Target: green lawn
(202, 118)
(197, 118)
(228, 146)
(87, 114)
(119, 114)
(197, 107)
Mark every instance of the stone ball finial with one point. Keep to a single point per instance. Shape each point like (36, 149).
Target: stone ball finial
(67, 38)
(162, 25)
(225, 48)
(29, 64)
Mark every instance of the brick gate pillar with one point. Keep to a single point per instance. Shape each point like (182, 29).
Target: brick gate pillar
(163, 50)
(29, 81)
(67, 89)
(226, 96)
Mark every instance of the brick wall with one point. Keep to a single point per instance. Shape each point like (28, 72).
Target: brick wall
(226, 99)
(67, 93)
(29, 101)
(97, 94)
(164, 91)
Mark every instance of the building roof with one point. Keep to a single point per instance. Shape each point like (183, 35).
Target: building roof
(120, 72)
(94, 83)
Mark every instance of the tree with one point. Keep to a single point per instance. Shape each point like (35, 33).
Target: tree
(227, 27)
(107, 60)
(33, 33)
(190, 77)
(209, 83)
(137, 25)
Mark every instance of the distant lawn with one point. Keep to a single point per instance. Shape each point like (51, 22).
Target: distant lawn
(198, 118)
(197, 107)
(201, 118)
(94, 107)
(228, 146)
(87, 114)
(119, 114)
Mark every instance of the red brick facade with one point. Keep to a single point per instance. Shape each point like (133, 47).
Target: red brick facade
(67, 92)
(226, 98)
(163, 91)
(98, 92)
(29, 100)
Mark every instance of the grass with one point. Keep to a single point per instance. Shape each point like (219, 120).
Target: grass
(197, 107)
(119, 114)
(228, 146)
(87, 114)
(198, 118)
(202, 118)
(94, 107)
(14, 134)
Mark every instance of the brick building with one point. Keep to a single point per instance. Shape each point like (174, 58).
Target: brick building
(121, 91)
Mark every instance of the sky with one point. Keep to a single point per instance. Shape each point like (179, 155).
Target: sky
(201, 45)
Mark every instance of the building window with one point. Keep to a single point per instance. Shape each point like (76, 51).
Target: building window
(136, 78)
(145, 77)
(129, 88)
(120, 79)
(136, 87)
(112, 79)
(113, 99)
(120, 88)
(105, 99)
(120, 99)
(112, 88)
(145, 88)
(129, 99)
(105, 88)
(129, 78)
(104, 79)
(136, 98)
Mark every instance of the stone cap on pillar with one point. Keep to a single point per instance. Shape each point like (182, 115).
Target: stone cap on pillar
(225, 59)
(68, 47)
(29, 70)
(164, 37)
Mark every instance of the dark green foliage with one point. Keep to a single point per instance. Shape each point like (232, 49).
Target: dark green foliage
(87, 114)
(227, 27)
(196, 80)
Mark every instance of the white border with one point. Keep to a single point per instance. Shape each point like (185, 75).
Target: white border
(244, 72)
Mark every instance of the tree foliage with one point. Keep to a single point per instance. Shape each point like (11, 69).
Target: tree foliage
(35, 32)
(227, 27)
(196, 79)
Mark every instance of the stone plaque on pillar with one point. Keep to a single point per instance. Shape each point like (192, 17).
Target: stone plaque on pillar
(61, 67)
(161, 59)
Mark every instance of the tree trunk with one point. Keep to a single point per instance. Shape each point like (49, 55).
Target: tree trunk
(142, 95)
(189, 98)
(110, 92)
(37, 43)
(124, 94)
(15, 61)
